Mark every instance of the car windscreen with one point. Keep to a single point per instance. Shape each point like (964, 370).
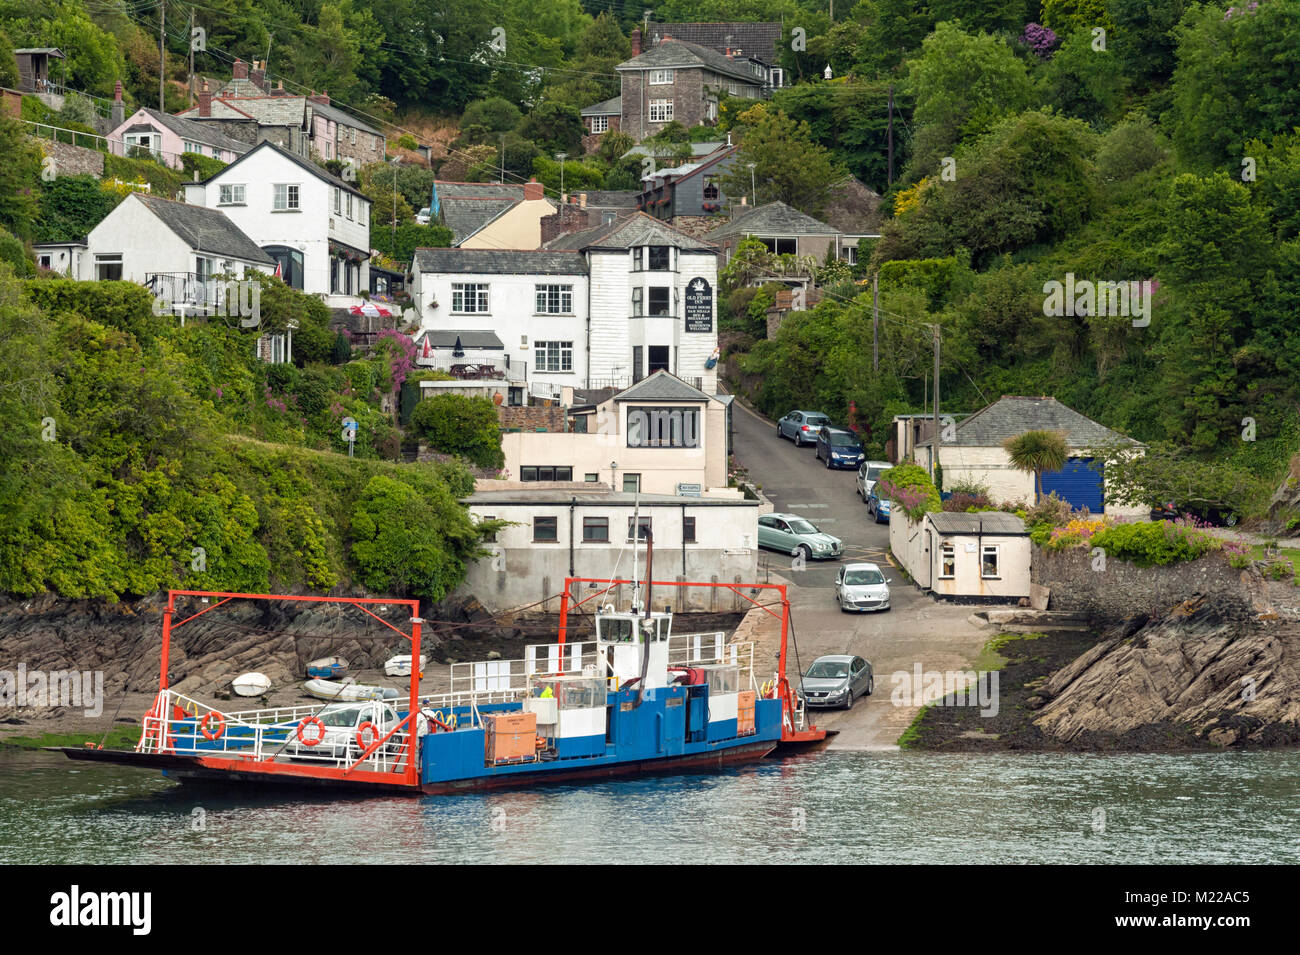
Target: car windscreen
(340, 716)
(873, 474)
(844, 441)
(826, 670)
(860, 578)
(803, 527)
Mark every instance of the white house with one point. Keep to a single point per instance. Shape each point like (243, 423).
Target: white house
(62, 257)
(661, 436)
(971, 449)
(979, 557)
(605, 307)
(585, 530)
(171, 247)
(314, 225)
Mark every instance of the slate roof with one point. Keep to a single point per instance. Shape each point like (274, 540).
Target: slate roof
(467, 207)
(198, 132)
(679, 54)
(611, 198)
(758, 40)
(626, 232)
(610, 107)
(697, 149)
(773, 218)
(205, 230)
(661, 386)
(342, 117)
(469, 338)
(852, 208)
(498, 262)
(266, 110)
(320, 172)
(1013, 415)
(985, 522)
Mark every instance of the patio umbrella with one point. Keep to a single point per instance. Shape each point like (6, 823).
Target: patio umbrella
(425, 353)
(457, 350)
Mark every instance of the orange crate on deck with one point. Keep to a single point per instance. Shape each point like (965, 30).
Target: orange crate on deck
(745, 712)
(510, 737)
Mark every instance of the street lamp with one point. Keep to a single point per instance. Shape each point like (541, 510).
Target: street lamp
(561, 157)
(753, 189)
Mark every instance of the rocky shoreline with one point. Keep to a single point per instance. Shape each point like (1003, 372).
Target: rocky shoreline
(1192, 678)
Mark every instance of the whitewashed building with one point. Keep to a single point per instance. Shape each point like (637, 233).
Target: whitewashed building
(314, 225)
(605, 307)
(584, 530)
(974, 558)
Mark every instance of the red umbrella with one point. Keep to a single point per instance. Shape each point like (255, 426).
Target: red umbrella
(425, 353)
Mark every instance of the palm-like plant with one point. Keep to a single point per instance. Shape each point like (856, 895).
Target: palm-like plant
(1035, 452)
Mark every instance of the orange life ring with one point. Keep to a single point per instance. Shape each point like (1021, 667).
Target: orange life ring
(311, 721)
(361, 730)
(209, 733)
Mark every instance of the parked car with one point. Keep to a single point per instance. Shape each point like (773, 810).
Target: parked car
(801, 426)
(422, 217)
(839, 448)
(341, 722)
(795, 535)
(862, 587)
(877, 508)
(868, 473)
(836, 680)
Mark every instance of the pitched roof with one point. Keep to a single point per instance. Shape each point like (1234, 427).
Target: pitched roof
(197, 132)
(773, 218)
(466, 216)
(266, 110)
(468, 337)
(205, 230)
(610, 198)
(320, 172)
(983, 522)
(758, 40)
(610, 107)
(661, 386)
(852, 208)
(342, 117)
(498, 262)
(678, 54)
(697, 149)
(627, 231)
(1013, 415)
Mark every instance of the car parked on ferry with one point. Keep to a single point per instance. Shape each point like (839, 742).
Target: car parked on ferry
(801, 426)
(839, 448)
(836, 680)
(795, 535)
(340, 725)
(861, 587)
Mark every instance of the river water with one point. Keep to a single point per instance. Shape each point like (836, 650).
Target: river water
(895, 807)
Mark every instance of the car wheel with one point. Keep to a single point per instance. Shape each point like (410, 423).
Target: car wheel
(848, 700)
(803, 551)
(871, 684)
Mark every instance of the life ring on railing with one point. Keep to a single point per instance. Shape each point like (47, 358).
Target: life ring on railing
(209, 733)
(311, 721)
(362, 744)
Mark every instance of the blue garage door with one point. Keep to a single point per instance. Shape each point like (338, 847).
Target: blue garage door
(1077, 483)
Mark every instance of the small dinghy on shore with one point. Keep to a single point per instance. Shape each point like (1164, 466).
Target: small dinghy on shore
(251, 684)
(347, 692)
(400, 665)
(327, 668)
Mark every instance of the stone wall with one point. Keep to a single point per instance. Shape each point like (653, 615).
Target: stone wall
(73, 160)
(532, 417)
(1122, 589)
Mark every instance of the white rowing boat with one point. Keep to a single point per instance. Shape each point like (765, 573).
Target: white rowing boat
(251, 684)
(400, 665)
(347, 692)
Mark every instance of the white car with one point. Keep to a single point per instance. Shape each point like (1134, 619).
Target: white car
(422, 217)
(341, 722)
(861, 587)
(868, 473)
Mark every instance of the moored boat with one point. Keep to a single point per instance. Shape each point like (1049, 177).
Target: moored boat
(347, 692)
(400, 665)
(251, 684)
(328, 668)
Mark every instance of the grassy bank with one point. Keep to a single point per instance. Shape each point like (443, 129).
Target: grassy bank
(120, 737)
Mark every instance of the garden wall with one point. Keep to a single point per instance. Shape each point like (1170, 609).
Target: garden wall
(73, 160)
(1122, 589)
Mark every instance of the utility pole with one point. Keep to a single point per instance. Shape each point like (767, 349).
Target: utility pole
(503, 157)
(162, 54)
(189, 86)
(395, 214)
(875, 323)
(935, 441)
(891, 134)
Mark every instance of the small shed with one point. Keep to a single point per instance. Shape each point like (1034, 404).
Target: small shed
(34, 67)
(965, 557)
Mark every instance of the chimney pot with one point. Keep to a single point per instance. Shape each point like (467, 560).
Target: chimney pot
(205, 101)
(258, 76)
(117, 91)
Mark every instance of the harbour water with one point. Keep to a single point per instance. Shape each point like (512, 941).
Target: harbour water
(894, 807)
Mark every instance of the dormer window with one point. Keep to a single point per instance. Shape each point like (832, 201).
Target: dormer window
(658, 258)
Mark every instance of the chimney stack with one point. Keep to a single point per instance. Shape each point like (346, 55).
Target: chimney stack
(119, 108)
(636, 41)
(322, 97)
(582, 200)
(258, 75)
(240, 70)
(534, 190)
(205, 100)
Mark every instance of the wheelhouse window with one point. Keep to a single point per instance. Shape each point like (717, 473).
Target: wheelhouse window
(230, 195)
(546, 530)
(553, 356)
(948, 562)
(595, 530)
(661, 110)
(469, 297)
(989, 560)
(286, 197)
(554, 299)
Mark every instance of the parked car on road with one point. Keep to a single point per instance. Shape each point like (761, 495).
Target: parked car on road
(868, 473)
(795, 535)
(877, 508)
(861, 587)
(839, 448)
(422, 217)
(801, 426)
(836, 680)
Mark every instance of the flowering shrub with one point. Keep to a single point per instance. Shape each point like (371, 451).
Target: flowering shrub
(964, 502)
(1039, 39)
(910, 490)
(1077, 531)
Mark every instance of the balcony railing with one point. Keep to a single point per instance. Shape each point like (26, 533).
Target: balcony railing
(189, 291)
(477, 366)
(627, 381)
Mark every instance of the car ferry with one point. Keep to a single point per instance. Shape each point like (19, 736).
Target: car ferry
(638, 699)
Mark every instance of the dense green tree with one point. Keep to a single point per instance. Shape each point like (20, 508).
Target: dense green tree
(555, 128)
(455, 424)
(788, 166)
